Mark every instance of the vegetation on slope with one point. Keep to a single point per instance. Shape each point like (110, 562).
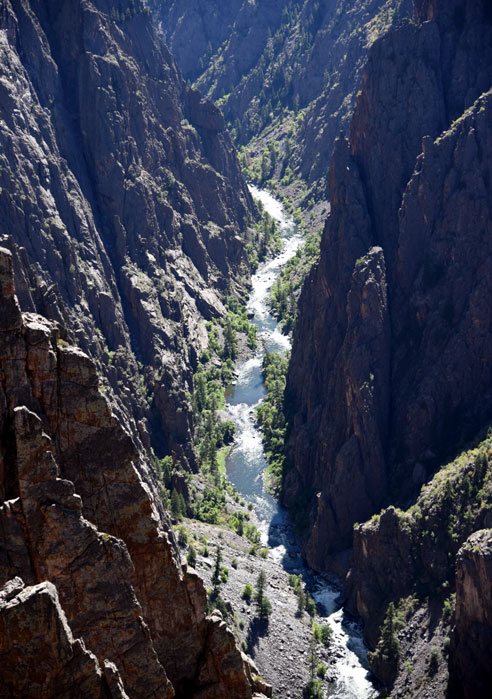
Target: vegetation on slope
(271, 417)
(426, 539)
(287, 288)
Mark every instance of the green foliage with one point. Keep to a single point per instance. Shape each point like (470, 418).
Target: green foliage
(322, 633)
(301, 600)
(448, 607)
(252, 534)
(210, 434)
(271, 416)
(434, 660)
(265, 240)
(263, 604)
(216, 578)
(295, 581)
(286, 289)
(210, 506)
(313, 690)
(247, 593)
(134, 8)
(321, 670)
(178, 505)
(182, 535)
(191, 557)
(312, 657)
(388, 648)
(306, 603)
(164, 468)
(450, 507)
(310, 605)
(215, 601)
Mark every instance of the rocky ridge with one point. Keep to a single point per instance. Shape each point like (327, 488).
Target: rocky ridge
(432, 562)
(93, 584)
(122, 200)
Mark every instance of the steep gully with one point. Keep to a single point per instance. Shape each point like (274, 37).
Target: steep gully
(246, 464)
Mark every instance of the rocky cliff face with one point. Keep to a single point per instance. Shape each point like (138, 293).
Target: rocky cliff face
(121, 199)
(94, 600)
(471, 676)
(432, 562)
(263, 59)
(390, 368)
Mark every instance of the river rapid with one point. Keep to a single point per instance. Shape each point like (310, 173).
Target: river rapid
(246, 464)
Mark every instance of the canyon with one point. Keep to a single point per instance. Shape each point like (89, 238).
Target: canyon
(128, 240)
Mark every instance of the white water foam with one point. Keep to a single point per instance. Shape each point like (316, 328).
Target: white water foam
(246, 464)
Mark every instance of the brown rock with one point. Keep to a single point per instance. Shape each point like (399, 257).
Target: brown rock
(10, 315)
(40, 657)
(119, 578)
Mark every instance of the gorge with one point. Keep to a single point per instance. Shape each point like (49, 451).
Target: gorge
(161, 165)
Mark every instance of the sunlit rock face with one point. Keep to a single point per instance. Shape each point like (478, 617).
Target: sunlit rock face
(84, 552)
(122, 200)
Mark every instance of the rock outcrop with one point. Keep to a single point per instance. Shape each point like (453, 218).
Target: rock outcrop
(383, 390)
(80, 529)
(471, 675)
(421, 559)
(121, 199)
(40, 657)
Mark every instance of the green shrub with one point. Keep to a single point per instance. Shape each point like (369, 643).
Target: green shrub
(434, 660)
(313, 690)
(182, 535)
(191, 557)
(247, 593)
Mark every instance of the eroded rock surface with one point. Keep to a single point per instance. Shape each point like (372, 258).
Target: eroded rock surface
(122, 200)
(471, 674)
(40, 657)
(77, 517)
(382, 392)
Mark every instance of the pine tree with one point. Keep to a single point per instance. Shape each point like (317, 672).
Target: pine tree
(389, 643)
(301, 600)
(216, 573)
(312, 657)
(177, 504)
(230, 340)
(263, 604)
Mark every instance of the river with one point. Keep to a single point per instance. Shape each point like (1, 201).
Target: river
(246, 464)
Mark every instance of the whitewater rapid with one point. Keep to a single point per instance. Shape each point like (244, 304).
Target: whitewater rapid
(246, 464)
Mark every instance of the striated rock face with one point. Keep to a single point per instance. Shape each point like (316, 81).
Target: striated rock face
(390, 367)
(471, 675)
(40, 657)
(121, 199)
(77, 517)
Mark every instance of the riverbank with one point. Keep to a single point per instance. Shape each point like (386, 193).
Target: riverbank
(288, 642)
(254, 533)
(279, 646)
